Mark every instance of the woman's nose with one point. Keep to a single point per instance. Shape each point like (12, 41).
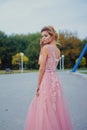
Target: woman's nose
(43, 38)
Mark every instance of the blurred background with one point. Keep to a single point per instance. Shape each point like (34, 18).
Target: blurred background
(20, 25)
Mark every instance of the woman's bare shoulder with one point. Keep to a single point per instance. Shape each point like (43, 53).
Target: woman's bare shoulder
(45, 49)
(58, 50)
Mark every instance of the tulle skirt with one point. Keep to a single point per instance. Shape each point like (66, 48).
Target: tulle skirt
(48, 111)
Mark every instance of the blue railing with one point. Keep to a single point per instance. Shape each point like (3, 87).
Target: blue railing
(80, 58)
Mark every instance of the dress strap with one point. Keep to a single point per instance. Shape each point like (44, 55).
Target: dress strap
(51, 49)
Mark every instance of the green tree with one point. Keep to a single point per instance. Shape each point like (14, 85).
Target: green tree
(82, 62)
(16, 60)
(69, 47)
(32, 51)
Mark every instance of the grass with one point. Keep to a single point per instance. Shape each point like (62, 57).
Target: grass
(28, 71)
(82, 68)
(84, 72)
(16, 71)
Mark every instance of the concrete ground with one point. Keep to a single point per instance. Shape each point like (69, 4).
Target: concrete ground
(17, 91)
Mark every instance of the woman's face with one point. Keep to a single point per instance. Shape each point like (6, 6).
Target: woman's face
(46, 38)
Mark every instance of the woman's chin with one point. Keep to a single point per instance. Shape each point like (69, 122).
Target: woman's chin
(46, 43)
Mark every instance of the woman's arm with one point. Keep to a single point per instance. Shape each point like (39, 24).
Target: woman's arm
(44, 55)
(41, 46)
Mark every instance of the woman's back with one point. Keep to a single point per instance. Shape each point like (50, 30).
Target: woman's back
(52, 59)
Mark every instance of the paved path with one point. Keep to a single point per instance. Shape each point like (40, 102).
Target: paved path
(17, 91)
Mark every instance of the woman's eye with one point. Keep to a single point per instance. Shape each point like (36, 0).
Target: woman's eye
(44, 36)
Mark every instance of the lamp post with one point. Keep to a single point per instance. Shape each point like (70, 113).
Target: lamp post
(22, 54)
(62, 62)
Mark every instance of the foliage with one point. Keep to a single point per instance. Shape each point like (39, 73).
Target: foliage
(33, 52)
(16, 60)
(70, 47)
(82, 62)
(12, 45)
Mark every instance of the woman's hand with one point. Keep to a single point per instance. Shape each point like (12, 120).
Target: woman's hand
(41, 42)
(37, 91)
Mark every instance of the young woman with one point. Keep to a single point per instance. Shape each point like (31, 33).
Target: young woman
(48, 110)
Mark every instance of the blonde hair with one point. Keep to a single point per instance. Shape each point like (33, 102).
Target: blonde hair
(52, 32)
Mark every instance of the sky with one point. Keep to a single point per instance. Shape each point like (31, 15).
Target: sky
(29, 16)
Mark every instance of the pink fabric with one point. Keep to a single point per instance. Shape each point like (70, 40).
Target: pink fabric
(49, 111)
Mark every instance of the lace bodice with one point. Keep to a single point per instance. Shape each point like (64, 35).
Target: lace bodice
(52, 61)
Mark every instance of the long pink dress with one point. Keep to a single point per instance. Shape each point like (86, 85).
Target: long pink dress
(48, 111)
